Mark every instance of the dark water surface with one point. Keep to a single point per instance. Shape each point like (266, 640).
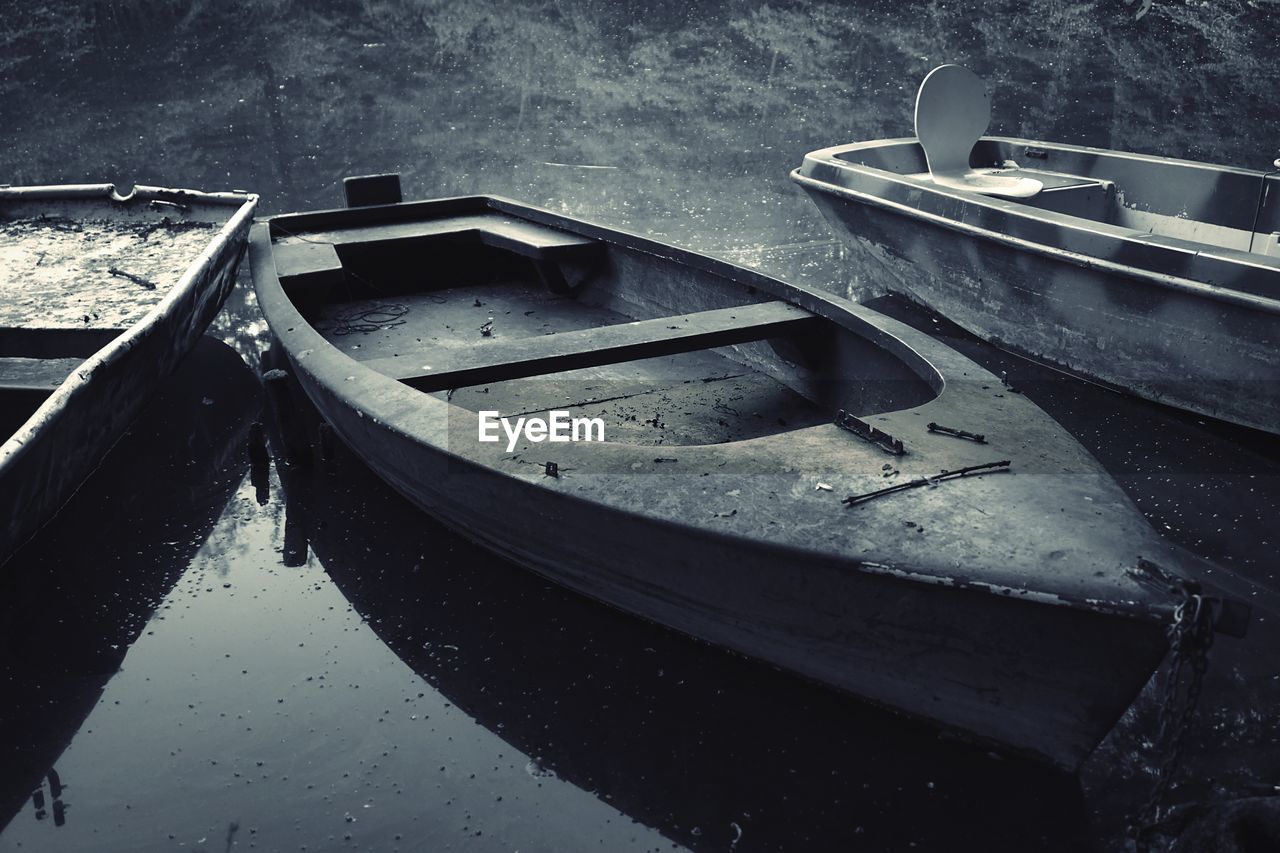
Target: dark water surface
(328, 669)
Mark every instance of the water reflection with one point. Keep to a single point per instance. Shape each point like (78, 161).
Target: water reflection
(74, 598)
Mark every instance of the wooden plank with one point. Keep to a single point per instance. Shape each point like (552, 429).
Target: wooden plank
(308, 262)
(491, 229)
(501, 360)
(35, 374)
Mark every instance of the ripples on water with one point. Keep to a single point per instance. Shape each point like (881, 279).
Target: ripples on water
(399, 688)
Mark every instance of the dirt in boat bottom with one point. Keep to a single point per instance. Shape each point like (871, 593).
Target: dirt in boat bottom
(64, 273)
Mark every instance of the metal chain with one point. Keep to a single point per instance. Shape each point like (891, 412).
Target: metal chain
(1190, 638)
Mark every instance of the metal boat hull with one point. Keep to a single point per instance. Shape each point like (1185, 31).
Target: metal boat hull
(1182, 323)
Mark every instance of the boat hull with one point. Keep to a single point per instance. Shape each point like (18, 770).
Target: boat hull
(1030, 632)
(66, 438)
(1044, 681)
(1169, 320)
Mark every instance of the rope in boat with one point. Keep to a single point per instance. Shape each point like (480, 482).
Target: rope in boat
(364, 320)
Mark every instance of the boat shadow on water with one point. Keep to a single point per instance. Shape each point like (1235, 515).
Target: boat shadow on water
(75, 597)
(705, 746)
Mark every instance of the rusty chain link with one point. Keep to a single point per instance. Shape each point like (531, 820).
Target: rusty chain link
(1190, 638)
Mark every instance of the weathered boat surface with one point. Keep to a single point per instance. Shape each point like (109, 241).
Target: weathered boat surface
(101, 296)
(1004, 605)
(1156, 276)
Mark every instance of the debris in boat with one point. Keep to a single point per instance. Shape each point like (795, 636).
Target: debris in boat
(956, 433)
(823, 487)
(867, 432)
(55, 272)
(986, 468)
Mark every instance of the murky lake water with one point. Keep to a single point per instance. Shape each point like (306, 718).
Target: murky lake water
(194, 658)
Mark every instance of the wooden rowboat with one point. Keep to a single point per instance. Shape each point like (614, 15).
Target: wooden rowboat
(101, 295)
(1008, 604)
(1159, 277)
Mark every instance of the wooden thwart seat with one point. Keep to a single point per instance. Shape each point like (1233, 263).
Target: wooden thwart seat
(35, 374)
(313, 258)
(501, 360)
(316, 250)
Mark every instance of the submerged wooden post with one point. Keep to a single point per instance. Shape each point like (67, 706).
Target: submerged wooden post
(259, 463)
(296, 448)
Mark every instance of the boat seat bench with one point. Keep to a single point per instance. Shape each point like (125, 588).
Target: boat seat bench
(501, 360)
(314, 257)
(35, 374)
(1074, 195)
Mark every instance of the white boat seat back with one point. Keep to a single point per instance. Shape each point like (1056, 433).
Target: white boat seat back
(953, 110)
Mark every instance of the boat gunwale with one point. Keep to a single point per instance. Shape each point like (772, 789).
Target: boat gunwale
(1116, 234)
(869, 325)
(327, 366)
(62, 397)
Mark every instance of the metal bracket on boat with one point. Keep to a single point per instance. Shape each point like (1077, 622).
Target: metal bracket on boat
(867, 432)
(1225, 615)
(956, 433)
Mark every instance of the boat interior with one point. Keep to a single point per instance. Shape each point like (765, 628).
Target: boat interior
(1227, 208)
(33, 363)
(74, 274)
(501, 313)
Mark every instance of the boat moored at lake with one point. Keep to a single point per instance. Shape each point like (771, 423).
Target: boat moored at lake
(101, 296)
(783, 472)
(1157, 276)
